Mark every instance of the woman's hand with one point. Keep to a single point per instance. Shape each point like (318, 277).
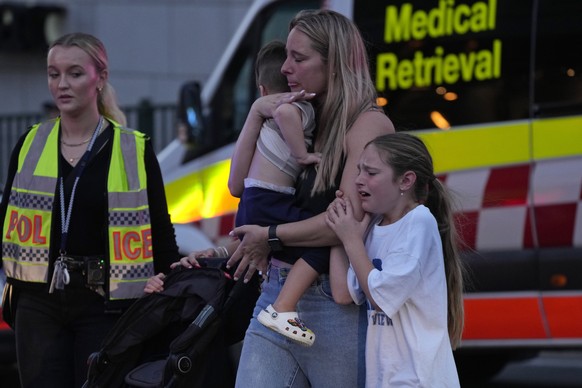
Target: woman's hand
(191, 260)
(155, 284)
(252, 254)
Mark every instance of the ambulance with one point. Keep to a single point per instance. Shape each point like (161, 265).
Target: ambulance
(494, 87)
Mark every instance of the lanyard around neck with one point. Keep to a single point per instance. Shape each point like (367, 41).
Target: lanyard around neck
(66, 216)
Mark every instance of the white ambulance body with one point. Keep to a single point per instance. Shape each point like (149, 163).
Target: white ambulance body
(495, 89)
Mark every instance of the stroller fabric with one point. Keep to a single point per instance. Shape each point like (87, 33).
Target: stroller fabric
(179, 337)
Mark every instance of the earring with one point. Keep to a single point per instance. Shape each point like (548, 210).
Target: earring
(99, 89)
(401, 193)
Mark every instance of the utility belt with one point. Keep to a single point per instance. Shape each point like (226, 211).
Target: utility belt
(80, 271)
(92, 268)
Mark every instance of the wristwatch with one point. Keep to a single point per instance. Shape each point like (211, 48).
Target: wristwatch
(274, 242)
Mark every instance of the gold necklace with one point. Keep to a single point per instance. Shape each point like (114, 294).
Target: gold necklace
(69, 158)
(98, 129)
(77, 144)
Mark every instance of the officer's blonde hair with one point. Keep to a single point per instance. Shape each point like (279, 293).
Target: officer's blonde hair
(107, 100)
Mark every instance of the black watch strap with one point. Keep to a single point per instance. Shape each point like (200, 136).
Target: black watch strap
(272, 231)
(274, 242)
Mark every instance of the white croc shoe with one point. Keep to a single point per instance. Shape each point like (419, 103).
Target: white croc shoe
(287, 324)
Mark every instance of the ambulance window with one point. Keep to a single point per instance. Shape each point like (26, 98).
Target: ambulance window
(438, 70)
(558, 70)
(231, 99)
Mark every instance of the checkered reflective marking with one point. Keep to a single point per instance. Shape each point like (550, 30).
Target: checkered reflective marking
(31, 201)
(27, 254)
(132, 218)
(133, 271)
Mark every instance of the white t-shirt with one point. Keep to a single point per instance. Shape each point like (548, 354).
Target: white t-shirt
(407, 343)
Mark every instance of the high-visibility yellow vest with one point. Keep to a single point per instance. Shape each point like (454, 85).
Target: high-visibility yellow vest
(27, 225)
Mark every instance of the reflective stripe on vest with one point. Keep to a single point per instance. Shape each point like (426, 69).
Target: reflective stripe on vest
(130, 240)
(28, 219)
(27, 225)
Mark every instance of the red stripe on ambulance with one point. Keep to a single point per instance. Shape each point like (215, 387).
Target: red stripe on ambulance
(564, 315)
(490, 318)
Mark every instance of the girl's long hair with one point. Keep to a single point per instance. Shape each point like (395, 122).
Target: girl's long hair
(350, 90)
(107, 100)
(405, 152)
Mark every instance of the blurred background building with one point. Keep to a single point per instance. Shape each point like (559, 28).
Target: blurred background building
(154, 46)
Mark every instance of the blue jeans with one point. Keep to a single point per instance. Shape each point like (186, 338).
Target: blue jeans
(336, 359)
(55, 333)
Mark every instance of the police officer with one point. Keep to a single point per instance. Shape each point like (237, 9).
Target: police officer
(85, 220)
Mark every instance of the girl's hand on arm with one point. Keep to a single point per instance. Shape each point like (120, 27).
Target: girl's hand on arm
(341, 219)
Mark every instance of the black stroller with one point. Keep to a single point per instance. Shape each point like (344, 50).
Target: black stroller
(181, 337)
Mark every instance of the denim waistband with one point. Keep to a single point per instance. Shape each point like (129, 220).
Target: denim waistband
(282, 269)
(276, 263)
